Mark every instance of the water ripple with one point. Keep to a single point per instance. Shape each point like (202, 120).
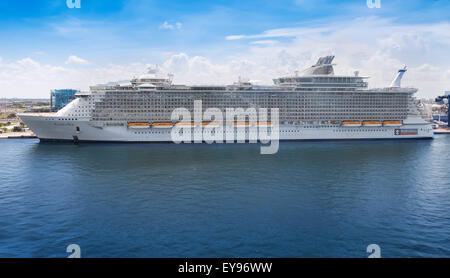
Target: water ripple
(312, 199)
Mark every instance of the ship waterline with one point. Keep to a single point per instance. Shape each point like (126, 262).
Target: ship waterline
(317, 105)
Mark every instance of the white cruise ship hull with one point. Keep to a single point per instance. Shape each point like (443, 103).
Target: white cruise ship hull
(50, 128)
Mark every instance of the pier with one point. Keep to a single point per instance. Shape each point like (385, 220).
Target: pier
(17, 135)
(441, 131)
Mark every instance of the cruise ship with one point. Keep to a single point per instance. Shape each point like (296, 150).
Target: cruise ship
(315, 104)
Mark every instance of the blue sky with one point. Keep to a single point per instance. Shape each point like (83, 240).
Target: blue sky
(107, 39)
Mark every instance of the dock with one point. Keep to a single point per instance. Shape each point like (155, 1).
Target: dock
(18, 135)
(441, 131)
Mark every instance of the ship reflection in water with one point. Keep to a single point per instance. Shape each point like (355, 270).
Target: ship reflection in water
(312, 199)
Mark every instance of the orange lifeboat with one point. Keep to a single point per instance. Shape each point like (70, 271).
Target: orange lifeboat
(392, 123)
(138, 125)
(210, 124)
(351, 123)
(263, 124)
(241, 124)
(182, 124)
(162, 125)
(372, 123)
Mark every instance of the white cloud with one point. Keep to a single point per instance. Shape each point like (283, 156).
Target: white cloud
(264, 42)
(235, 37)
(281, 33)
(167, 25)
(74, 60)
(28, 63)
(29, 78)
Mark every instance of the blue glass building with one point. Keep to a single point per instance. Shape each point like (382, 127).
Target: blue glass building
(60, 98)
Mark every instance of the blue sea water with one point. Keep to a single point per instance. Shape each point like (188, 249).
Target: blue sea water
(312, 199)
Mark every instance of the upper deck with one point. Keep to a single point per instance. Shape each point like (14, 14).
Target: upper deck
(319, 77)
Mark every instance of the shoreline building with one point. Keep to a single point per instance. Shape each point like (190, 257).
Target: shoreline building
(60, 98)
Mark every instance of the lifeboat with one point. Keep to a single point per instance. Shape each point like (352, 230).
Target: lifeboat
(162, 125)
(241, 124)
(210, 124)
(372, 123)
(351, 123)
(138, 125)
(263, 124)
(185, 124)
(334, 122)
(392, 123)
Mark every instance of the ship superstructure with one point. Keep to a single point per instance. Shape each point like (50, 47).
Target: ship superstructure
(316, 104)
